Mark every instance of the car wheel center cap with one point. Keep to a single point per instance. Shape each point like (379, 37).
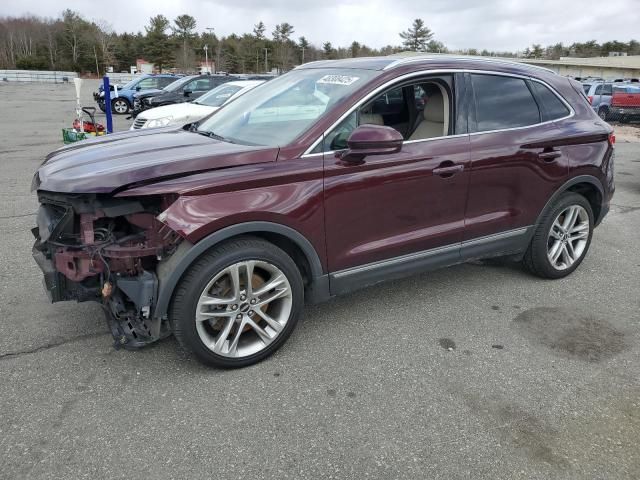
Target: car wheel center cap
(244, 308)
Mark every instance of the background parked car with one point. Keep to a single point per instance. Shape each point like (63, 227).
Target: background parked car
(182, 90)
(599, 95)
(124, 100)
(625, 102)
(188, 112)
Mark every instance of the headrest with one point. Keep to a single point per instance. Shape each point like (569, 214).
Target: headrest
(434, 110)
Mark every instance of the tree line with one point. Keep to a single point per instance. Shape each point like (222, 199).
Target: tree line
(71, 42)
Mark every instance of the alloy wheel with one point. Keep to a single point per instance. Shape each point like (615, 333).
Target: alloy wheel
(120, 106)
(243, 309)
(568, 237)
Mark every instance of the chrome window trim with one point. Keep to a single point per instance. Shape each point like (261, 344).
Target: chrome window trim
(405, 142)
(439, 72)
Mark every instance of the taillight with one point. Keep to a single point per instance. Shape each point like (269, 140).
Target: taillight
(590, 98)
(612, 139)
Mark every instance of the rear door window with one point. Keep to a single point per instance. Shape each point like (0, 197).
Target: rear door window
(503, 102)
(551, 106)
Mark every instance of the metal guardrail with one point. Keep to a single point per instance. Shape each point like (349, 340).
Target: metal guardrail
(38, 76)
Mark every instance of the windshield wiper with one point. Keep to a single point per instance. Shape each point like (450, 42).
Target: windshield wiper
(212, 135)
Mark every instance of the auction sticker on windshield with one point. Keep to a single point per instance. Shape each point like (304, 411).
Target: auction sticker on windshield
(338, 79)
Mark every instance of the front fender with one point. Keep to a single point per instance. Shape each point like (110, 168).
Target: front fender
(171, 270)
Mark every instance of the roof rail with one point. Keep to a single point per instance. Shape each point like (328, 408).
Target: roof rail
(468, 58)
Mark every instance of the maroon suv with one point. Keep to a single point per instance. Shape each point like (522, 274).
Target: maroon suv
(337, 175)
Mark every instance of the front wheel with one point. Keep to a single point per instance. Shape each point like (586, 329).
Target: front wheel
(562, 238)
(120, 106)
(238, 303)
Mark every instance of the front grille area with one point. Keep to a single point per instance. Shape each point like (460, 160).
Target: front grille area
(139, 123)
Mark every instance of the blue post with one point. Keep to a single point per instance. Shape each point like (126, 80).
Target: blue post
(107, 103)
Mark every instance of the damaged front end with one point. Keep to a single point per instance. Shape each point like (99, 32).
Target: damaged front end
(105, 249)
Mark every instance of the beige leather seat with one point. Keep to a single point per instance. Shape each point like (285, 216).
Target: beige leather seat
(436, 116)
(371, 119)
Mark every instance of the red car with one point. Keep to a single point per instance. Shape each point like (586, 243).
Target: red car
(337, 175)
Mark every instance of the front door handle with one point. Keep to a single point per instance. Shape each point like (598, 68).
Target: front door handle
(549, 156)
(448, 171)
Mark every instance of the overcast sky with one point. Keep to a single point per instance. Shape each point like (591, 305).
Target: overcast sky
(491, 24)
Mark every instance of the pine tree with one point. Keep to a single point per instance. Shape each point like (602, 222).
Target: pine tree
(258, 30)
(157, 44)
(183, 31)
(417, 36)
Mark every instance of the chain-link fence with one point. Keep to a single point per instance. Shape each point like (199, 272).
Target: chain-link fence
(614, 101)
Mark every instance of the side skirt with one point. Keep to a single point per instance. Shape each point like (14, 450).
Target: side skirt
(502, 244)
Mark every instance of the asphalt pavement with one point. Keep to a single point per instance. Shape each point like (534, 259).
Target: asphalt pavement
(477, 371)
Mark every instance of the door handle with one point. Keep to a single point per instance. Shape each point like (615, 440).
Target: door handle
(448, 171)
(549, 156)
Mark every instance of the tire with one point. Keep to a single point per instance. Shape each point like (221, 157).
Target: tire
(120, 106)
(571, 249)
(207, 311)
(603, 113)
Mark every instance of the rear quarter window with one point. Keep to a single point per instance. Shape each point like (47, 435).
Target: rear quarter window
(551, 107)
(503, 102)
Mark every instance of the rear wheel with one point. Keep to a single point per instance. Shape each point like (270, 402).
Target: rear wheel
(562, 238)
(120, 106)
(603, 113)
(238, 303)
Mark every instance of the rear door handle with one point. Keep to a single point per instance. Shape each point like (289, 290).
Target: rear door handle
(549, 156)
(448, 171)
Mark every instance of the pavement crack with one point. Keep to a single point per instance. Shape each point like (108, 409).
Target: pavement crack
(18, 216)
(47, 346)
(622, 209)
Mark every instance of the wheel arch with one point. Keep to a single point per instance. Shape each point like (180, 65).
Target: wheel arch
(586, 185)
(293, 242)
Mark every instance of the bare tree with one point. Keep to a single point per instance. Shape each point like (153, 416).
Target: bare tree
(105, 38)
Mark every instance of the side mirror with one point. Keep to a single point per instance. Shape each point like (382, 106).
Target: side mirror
(371, 140)
(138, 88)
(187, 93)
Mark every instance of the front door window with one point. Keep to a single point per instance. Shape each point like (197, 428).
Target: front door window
(419, 111)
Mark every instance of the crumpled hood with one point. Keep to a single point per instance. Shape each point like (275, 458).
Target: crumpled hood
(115, 161)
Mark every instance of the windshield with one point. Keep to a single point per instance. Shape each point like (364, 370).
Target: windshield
(172, 87)
(217, 96)
(276, 112)
(129, 85)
